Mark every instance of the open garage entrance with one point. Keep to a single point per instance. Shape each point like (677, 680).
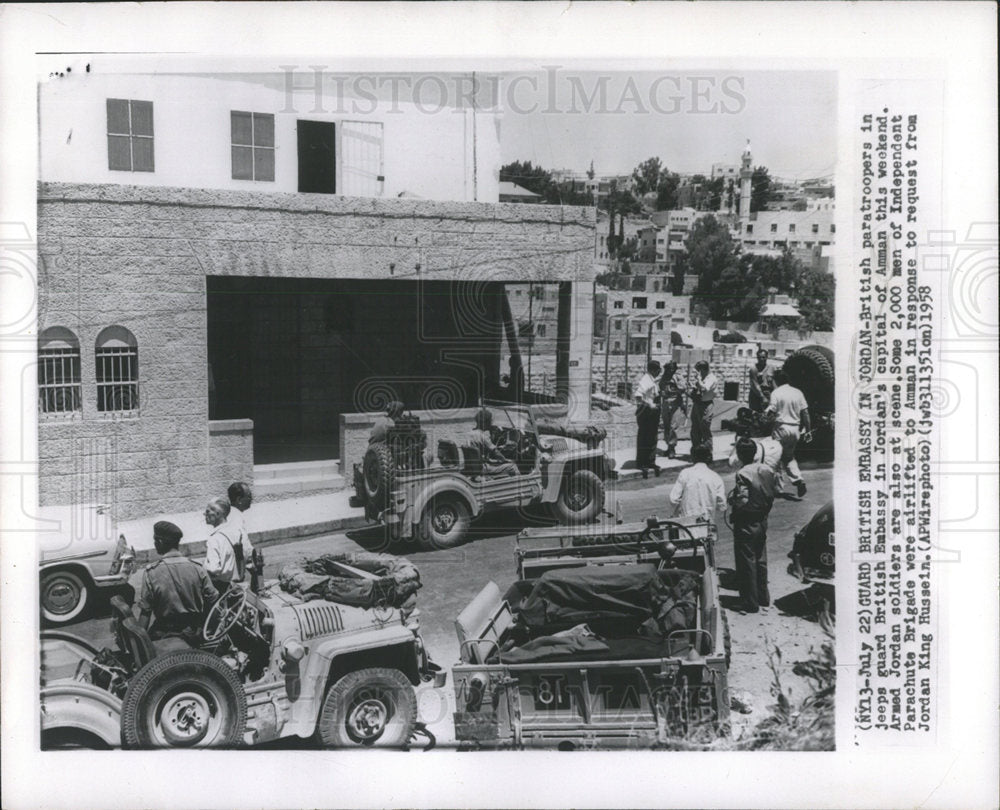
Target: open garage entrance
(294, 354)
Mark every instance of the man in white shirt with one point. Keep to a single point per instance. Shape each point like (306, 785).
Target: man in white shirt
(703, 394)
(647, 417)
(698, 490)
(221, 561)
(790, 411)
(240, 500)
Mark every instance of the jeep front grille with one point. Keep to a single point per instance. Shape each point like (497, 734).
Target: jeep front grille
(319, 620)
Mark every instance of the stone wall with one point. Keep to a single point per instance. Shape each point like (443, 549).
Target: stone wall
(230, 452)
(139, 258)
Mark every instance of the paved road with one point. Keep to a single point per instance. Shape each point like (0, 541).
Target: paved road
(452, 578)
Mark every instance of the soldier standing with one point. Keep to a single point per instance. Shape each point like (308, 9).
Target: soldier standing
(751, 500)
(671, 401)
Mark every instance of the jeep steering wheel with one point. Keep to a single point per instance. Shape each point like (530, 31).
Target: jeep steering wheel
(225, 613)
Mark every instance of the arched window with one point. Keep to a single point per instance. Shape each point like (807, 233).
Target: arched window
(58, 372)
(117, 370)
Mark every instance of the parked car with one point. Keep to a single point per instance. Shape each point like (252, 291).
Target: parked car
(612, 637)
(269, 665)
(558, 466)
(79, 554)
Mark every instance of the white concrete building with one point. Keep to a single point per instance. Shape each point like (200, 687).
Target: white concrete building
(249, 132)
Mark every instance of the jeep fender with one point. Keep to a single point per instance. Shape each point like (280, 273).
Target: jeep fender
(323, 660)
(567, 463)
(451, 486)
(82, 706)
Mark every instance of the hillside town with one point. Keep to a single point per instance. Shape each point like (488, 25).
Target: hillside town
(296, 365)
(654, 294)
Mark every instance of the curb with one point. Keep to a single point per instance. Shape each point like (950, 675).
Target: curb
(268, 537)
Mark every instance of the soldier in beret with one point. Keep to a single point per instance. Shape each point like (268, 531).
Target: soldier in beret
(175, 592)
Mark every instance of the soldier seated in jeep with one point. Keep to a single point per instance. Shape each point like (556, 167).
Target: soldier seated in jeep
(481, 439)
(380, 430)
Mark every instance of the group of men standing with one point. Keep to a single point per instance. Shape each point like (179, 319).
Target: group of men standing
(175, 591)
(661, 397)
(765, 466)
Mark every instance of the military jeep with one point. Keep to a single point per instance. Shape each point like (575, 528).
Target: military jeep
(268, 665)
(558, 466)
(612, 637)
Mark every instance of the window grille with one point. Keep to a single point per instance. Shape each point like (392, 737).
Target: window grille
(117, 371)
(59, 387)
(130, 135)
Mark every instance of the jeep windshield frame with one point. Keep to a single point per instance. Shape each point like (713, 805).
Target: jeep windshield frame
(507, 407)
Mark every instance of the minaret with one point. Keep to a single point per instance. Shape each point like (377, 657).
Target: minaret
(746, 173)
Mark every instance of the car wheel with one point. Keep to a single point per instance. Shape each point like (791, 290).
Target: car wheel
(367, 708)
(64, 596)
(580, 499)
(445, 523)
(185, 699)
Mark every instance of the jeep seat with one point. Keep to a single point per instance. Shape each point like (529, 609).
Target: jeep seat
(448, 453)
(134, 640)
(472, 461)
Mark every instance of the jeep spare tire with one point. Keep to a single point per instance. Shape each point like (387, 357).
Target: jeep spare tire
(185, 699)
(581, 498)
(368, 708)
(811, 370)
(378, 471)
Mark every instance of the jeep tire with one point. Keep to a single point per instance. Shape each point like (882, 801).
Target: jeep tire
(184, 699)
(581, 498)
(811, 370)
(366, 708)
(378, 472)
(444, 523)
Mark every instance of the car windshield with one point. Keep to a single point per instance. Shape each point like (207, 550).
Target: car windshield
(506, 415)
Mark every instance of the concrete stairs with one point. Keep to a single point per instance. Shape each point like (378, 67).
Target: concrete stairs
(295, 478)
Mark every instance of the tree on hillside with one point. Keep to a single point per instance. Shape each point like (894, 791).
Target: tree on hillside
(711, 255)
(760, 189)
(539, 180)
(816, 291)
(619, 203)
(713, 194)
(652, 177)
(533, 178)
(666, 192)
(646, 176)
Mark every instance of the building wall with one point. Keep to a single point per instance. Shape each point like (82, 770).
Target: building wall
(447, 154)
(139, 258)
(794, 229)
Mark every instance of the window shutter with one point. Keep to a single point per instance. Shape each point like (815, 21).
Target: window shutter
(361, 150)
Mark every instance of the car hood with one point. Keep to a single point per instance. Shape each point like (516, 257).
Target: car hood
(73, 530)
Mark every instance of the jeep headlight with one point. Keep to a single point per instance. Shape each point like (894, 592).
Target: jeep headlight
(292, 651)
(121, 562)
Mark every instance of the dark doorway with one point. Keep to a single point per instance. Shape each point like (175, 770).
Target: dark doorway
(317, 157)
(294, 354)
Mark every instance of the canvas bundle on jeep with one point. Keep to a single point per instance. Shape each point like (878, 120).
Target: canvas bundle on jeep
(360, 579)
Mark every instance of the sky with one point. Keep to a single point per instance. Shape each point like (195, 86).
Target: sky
(689, 119)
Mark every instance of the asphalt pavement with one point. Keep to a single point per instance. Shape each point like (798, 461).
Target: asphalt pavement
(452, 578)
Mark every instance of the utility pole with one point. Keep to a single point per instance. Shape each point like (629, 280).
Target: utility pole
(607, 347)
(531, 327)
(649, 338)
